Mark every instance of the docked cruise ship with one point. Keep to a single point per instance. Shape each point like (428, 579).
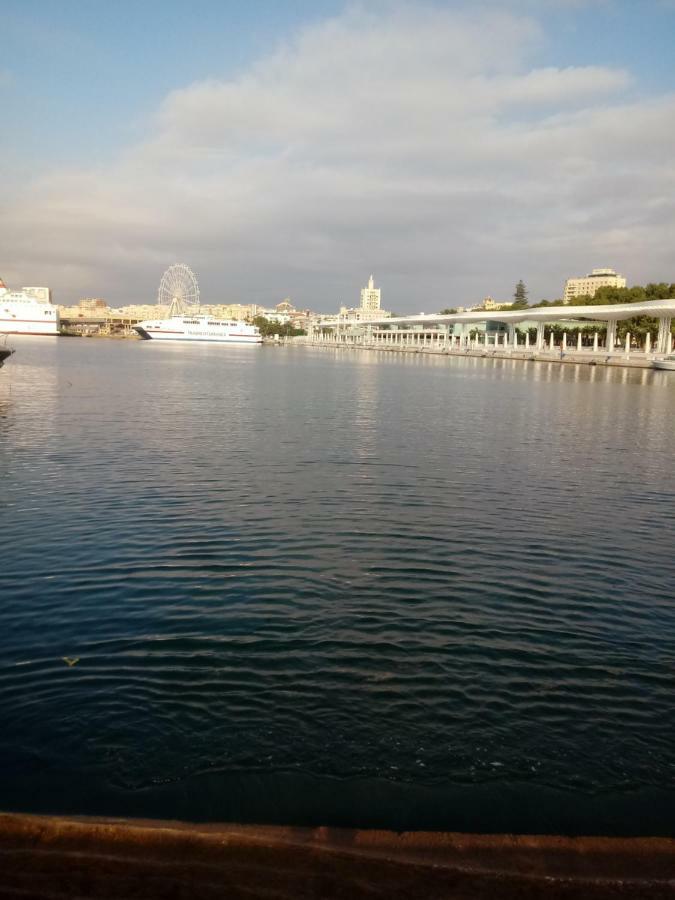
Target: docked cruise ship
(198, 328)
(28, 311)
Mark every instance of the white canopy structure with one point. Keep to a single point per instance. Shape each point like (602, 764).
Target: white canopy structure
(605, 313)
(663, 310)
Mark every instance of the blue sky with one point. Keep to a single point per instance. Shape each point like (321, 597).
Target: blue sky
(84, 74)
(98, 95)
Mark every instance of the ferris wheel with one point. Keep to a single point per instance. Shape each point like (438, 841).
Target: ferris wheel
(179, 289)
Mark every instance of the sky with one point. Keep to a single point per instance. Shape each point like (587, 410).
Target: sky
(290, 149)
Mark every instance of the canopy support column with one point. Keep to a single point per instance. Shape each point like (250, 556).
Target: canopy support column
(663, 342)
(540, 336)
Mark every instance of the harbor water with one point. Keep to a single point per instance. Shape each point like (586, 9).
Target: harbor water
(312, 586)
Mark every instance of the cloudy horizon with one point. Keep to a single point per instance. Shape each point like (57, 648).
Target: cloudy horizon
(448, 149)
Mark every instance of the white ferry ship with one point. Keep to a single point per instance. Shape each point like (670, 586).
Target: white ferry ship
(198, 328)
(28, 311)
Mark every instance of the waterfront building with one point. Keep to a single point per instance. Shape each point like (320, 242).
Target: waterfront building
(576, 287)
(237, 312)
(96, 308)
(139, 310)
(489, 303)
(359, 314)
(300, 318)
(273, 314)
(91, 304)
(285, 313)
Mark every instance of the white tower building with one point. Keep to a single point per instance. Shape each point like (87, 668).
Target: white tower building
(370, 296)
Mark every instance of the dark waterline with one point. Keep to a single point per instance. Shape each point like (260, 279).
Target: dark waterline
(309, 586)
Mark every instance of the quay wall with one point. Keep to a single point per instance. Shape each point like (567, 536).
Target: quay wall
(636, 360)
(67, 857)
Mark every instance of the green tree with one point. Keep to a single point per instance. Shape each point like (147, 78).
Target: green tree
(609, 295)
(268, 327)
(447, 312)
(660, 291)
(520, 296)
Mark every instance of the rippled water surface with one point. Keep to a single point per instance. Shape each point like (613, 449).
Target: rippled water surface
(352, 588)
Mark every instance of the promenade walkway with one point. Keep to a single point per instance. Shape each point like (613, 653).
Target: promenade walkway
(459, 332)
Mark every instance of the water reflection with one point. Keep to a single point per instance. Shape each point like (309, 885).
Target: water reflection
(537, 370)
(337, 566)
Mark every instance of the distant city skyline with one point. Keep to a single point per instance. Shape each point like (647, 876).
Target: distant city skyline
(291, 149)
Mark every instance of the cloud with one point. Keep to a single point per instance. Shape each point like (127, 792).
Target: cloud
(419, 143)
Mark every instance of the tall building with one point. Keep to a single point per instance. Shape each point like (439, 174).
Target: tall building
(575, 287)
(370, 296)
(368, 310)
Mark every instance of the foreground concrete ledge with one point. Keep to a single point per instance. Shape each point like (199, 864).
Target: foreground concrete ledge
(54, 857)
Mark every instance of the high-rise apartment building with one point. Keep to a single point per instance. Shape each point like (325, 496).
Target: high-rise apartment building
(575, 287)
(370, 296)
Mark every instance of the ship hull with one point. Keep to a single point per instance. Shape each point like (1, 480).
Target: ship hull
(198, 329)
(198, 338)
(28, 318)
